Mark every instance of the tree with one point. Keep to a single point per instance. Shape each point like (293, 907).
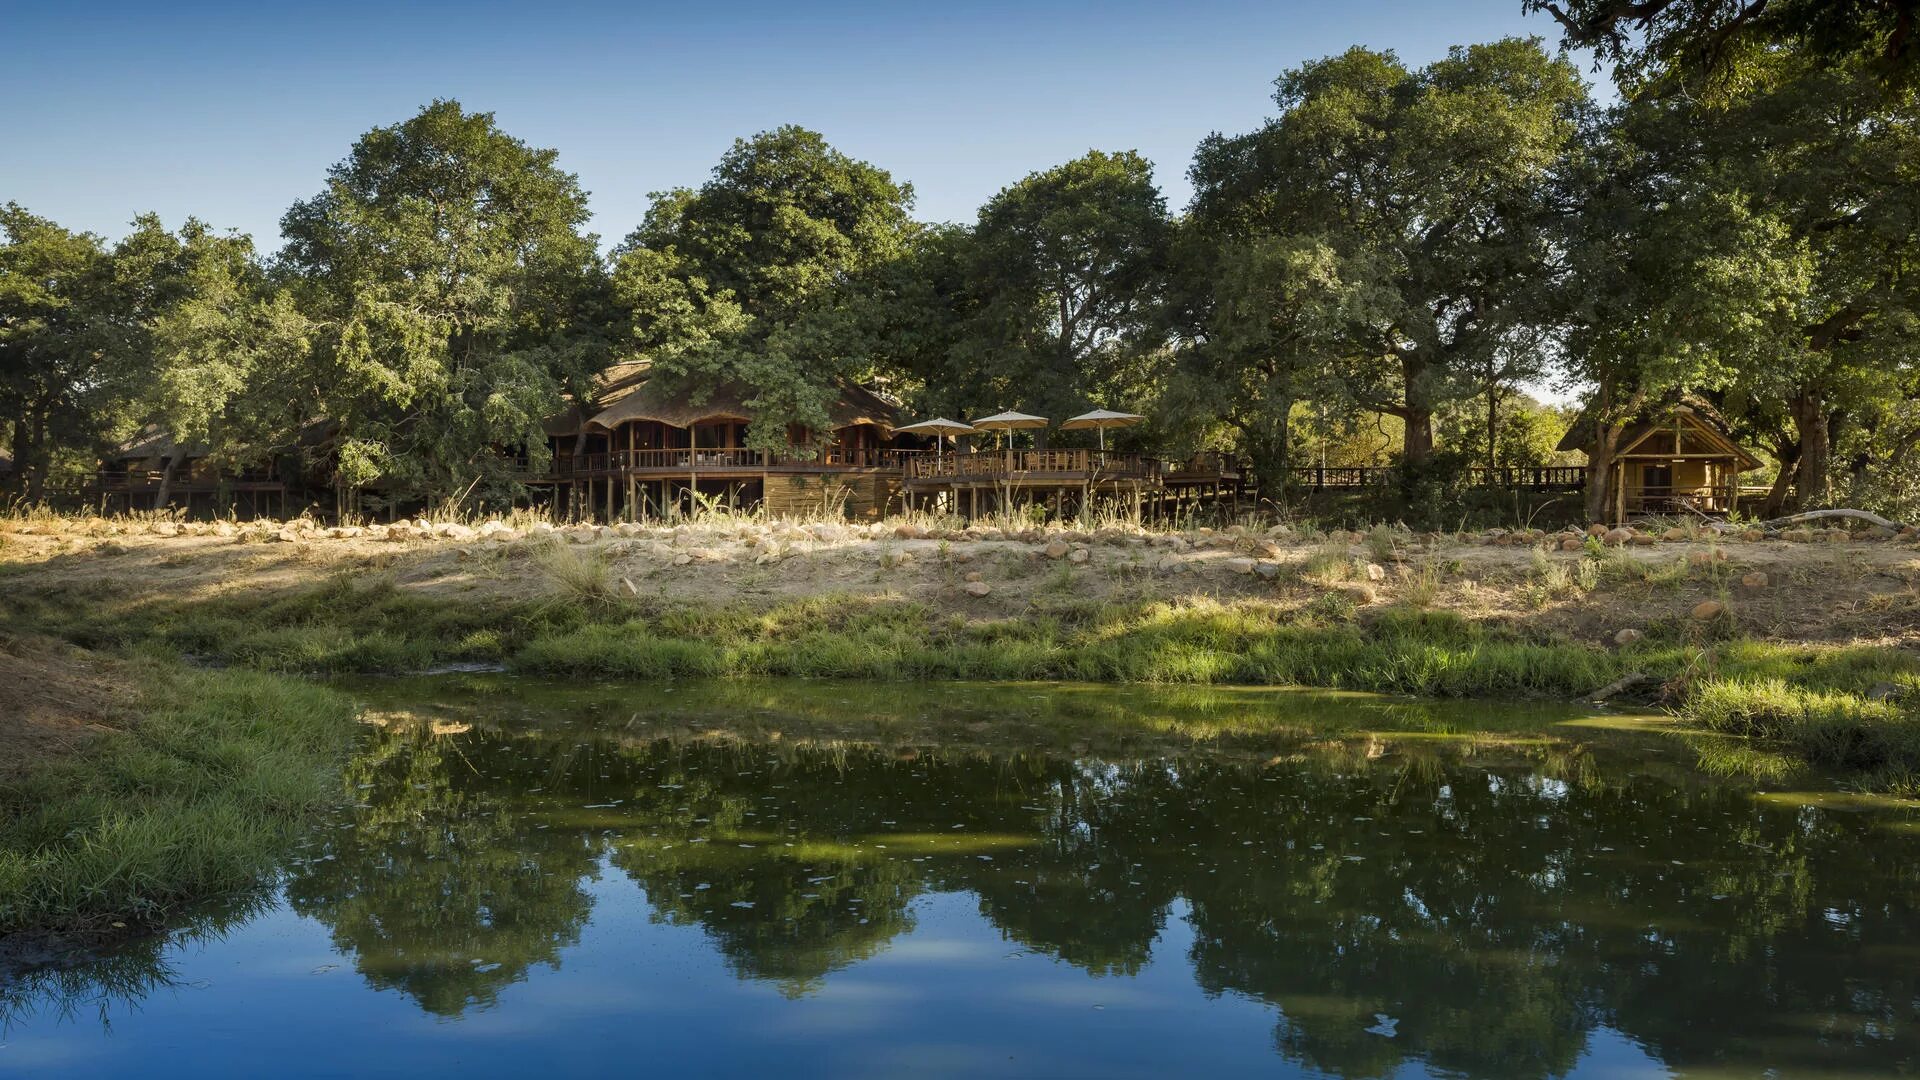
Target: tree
(75, 316)
(1666, 45)
(741, 281)
(1435, 188)
(451, 291)
(230, 355)
(1068, 266)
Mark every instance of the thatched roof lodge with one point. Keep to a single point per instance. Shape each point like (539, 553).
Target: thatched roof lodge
(1679, 457)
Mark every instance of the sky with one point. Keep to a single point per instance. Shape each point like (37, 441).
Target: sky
(230, 112)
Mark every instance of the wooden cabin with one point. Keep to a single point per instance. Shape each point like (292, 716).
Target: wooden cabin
(1677, 460)
(132, 476)
(644, 448)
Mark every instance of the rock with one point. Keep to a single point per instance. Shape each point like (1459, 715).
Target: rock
(1079, 555)
(1268, 549)
(625, 528)
(909, 531)
(1170, 564)
(1571, 543)
(1706, 558)
(458, 532)
(1627, 636)
(1886, 691)
(502, 536)
(1707, 610)
(1241, 565)
(1267, 570)
(398, 532)
(895, 558)
(1617, 537)
(1055, 550)
(682, 559)
(165, 528)
(1597, 529)
(285, 536)
(978, 588)
(973, 575)
(1754, 535)
(224, 528)
(1641, 539)
(1801, 535)
(1362, 594)
(1754, 580)
(1376, 572)
(1880, 532)
(1674, 534)
(543, 528)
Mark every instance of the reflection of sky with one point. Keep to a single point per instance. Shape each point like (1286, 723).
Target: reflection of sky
(951, 998)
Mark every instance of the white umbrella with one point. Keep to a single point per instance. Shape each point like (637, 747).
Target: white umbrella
(1100, 420)
(940, 428)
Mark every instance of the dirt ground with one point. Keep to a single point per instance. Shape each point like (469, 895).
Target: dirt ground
(1805, 585)
(54, 698)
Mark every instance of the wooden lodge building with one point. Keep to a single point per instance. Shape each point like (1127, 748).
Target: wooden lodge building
(1676, 459)
(646, 450)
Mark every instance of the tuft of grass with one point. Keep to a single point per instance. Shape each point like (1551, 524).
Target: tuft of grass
(197, 799)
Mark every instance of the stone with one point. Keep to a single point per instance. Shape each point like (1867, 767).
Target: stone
(165, 528)
(458, 532)
(973, 575)
(1362, 594)
(909, 531)
(682, 559)
(503, 536)
(895, 558)
(1056, 550)
(1268, 549)
(1617, 537)
(286, 536)
(224, 528)
(1627, 636)
(1674, 534)
(1641, 539)
(978, 588)
(1705, 558)
(1597, 529)
(1755, 580)
(1241, 565)
(399, 531)
(1802, 535)
(1880, 532)
(1707, 610)
(1754, 535)
(1376, 572)
(1079, 555)
(1571, 543)
(1169, 564)
(625, 528)
(1267, 570)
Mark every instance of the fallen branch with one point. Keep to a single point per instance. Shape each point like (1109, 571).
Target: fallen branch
(1620, 686)
(1814, 515)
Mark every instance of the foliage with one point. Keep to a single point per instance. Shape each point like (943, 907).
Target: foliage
(453, 298)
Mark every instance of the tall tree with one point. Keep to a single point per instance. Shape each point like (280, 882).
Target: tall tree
(1440, 184)
(451, 289)
(1069, 268)
(742, 279)
(75, 349)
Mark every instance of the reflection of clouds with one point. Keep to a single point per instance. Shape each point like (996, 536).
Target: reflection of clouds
(920, 950)
(1084, 993)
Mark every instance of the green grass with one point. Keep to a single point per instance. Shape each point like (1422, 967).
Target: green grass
(1807, 701)
(196, 800)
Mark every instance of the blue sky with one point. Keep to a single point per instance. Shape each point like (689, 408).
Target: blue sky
(229, 112)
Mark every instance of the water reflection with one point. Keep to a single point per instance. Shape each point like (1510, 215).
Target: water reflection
(1394, 890)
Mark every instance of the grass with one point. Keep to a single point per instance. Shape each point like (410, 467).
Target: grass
(1810, 702)
(197, 799)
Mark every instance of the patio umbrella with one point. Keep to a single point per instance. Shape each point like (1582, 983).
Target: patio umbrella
(1100, 420)
(1010, 421)
(940, 428)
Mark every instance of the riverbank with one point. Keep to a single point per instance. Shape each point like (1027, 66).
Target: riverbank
(1801, 646)
(137, 786)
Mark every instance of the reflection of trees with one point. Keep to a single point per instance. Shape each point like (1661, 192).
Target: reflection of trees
(439, 885)
(1498, 903)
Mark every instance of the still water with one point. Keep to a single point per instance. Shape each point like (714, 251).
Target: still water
(831, 879)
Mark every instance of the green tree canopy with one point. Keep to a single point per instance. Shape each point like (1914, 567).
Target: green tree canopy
(452, 294)
(743, 280)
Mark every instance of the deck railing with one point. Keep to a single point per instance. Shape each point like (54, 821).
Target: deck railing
(681, 460)
(1539, 477)
(999, 464)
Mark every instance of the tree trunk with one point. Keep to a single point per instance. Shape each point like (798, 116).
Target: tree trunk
(166, 482)
(1788, 454)
(1812, 425)
(1606, 441)
(1271, 454)
(1419, 443)
(1493, 428)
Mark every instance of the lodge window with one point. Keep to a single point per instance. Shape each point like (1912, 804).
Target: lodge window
(1657, 476)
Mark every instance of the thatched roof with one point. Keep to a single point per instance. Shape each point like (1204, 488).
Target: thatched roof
(1580, 434)
(628, 393)
(153, 442)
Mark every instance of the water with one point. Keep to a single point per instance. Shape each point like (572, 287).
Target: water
(820, 879)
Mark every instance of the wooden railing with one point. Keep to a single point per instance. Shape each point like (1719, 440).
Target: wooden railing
(1541, 477)
(1668, 500)
(138, 481)
(682, 460)
(996, 464)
